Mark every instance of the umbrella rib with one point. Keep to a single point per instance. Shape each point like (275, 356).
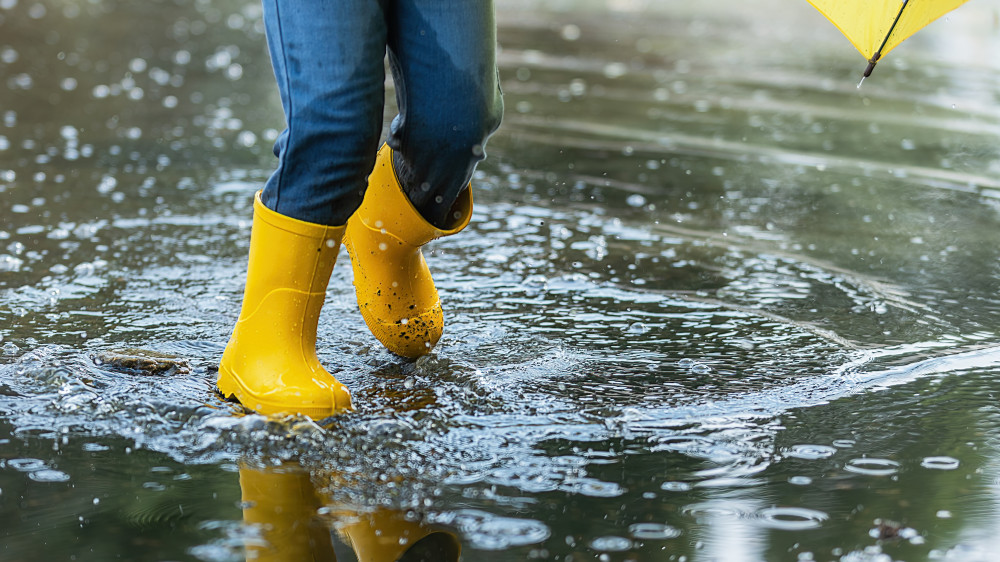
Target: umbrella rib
(878, 53)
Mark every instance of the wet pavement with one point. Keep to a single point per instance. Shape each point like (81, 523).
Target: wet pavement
(716, 302)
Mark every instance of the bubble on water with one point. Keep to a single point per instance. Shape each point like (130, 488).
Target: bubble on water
(800, 480)
(907, 144)
(791, 518)
(872, 466)
(22, 81)
(8, 55)
(4, 145)
(26, 464)
(107, 184)
(19, 208)
(943, 514)
(653, 531)
(101, 91)
(10, 348)
(7, 4)
(49, 475)
(635, 200)
(811, 452)
(637, 328)
(170, 102)
(675, 486)
(615, 70)
(160, 76)
(570, 32)
(843, 443)
(940, 463)
(136, 93)
(611, 543)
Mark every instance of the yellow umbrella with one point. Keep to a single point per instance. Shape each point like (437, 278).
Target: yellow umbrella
(875, 27)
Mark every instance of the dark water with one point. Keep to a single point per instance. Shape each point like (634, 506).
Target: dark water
(716, 303)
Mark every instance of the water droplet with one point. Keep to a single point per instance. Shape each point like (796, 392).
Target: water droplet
(635, 200)
(791, 518)
(637, 328)
(49, 475)
(940, 463)
(811, 452)
(653, 531)
(383, 246)
(570, 32)
(611, 544)
(872, 466)
(615, 70)
(8, 55)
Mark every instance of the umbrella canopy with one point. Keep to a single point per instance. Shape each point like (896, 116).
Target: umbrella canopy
(875, 27)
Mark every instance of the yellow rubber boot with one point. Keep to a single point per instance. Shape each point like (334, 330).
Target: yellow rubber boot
(396, 293)
(270, 364)
(283, 503)
(387, 536)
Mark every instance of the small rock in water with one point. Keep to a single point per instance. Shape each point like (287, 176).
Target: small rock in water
(141, 362)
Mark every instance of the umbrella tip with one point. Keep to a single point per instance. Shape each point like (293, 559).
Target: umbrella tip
(861, 82)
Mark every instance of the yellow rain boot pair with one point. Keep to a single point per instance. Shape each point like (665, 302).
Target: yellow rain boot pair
(395, 291)
(270, 363)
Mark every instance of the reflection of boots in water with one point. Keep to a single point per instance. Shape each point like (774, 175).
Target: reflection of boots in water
(270, 364)
(283, 503)
(386, 536)
(395, 291)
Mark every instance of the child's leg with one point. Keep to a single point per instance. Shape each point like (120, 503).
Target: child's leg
(328, 60)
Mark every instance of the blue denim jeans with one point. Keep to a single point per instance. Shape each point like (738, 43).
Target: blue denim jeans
(328, 58)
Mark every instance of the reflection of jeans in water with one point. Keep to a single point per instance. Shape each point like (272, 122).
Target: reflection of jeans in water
(328, 59)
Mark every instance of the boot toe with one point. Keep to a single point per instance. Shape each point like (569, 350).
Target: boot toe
(410, 337)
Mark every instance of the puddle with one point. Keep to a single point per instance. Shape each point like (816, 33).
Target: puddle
(715, 302)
